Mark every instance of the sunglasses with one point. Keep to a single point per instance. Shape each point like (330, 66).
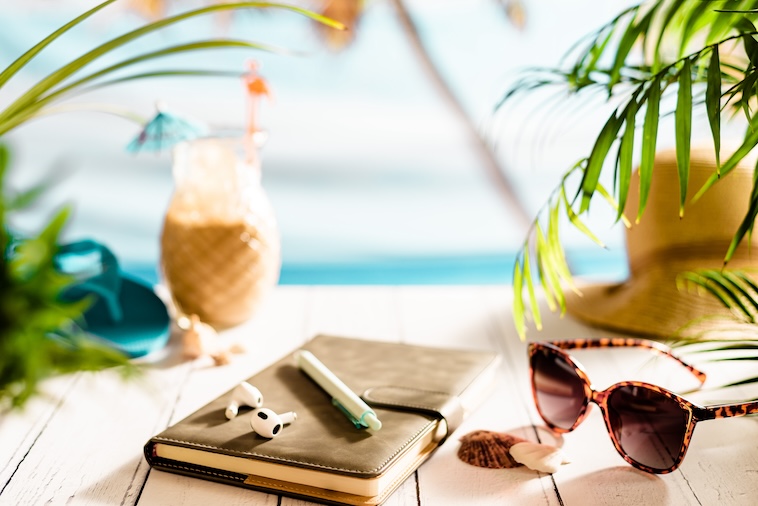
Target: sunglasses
(650, 426)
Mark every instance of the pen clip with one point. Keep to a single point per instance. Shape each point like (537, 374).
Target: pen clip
(349, 415)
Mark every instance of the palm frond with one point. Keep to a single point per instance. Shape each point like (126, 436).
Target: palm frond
(731, 288)
(629, 59)
(54, 86)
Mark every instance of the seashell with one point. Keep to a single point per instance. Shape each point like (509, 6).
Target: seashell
(237, 348)
(199, 339)
(192, 346)
(488, 449)
(540, 457)
(221, 358)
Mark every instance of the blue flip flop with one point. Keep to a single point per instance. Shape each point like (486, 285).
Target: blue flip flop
(126, 314)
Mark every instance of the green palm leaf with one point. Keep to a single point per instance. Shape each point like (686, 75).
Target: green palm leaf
(751, 140)
(747, 91)
(181, 48)
(589, 62)
(747, 28)
(532, 294)
(747, 281)
(722, 24)
(77, 86)
(729, 288)
(574, 219)
(625, 154)
(713, 103)
(649, 140)
(553, 243)
(746, 381)
(746, 226)
(693, 23)
(597, 158)
(71, 68)
(546, 259)
(742, 289)
(671, 12)
(519, 317)
(628, 39)
(22, 60)
(4, 159)
(546, 290)
(742, 346)
(683, 131)
(41, 106)
(612, 202)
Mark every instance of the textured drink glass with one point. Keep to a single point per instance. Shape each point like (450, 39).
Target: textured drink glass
(220, 248)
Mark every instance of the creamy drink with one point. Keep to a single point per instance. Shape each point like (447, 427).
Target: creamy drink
(220, 250)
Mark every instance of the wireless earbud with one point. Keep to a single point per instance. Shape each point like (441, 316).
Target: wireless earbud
(243, 394)
(268, 424)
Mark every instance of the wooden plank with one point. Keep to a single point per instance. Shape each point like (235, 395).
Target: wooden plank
(90, 450)
(367, 312)
(466, 317)
(20, 430)
(168, 489)
(447, 316)
(272, 333)
(722, 459)
(86, 447)
(360, 312)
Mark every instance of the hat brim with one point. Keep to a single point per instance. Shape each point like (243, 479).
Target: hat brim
(651, 304)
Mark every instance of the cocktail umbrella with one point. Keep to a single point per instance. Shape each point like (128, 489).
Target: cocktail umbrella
(165, 130)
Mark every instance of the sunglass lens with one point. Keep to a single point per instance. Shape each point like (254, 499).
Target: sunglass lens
(649, 426)
(559, 391)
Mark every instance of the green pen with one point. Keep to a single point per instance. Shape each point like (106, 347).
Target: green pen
(345, 399)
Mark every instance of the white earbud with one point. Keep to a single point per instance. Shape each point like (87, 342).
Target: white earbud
(243, 394)
(268, 424)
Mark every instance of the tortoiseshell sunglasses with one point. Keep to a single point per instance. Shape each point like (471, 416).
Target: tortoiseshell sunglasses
(650, 426)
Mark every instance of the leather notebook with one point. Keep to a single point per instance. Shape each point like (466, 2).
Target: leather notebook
(420, 394)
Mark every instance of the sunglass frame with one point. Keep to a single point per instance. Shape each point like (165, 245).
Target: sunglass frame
(694, 412)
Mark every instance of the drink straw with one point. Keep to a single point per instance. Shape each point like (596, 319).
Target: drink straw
(256, 87)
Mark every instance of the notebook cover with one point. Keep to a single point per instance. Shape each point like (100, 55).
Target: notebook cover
(322, 438)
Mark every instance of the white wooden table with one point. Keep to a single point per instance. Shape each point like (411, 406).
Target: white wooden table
(83, 443)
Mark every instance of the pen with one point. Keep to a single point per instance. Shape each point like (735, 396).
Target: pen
(345, 399)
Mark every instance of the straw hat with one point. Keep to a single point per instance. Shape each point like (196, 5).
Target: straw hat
(662, 245)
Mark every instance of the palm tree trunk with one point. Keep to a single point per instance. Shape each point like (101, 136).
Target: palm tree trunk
(492, 166)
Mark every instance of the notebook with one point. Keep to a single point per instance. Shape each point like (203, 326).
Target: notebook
(420, 394)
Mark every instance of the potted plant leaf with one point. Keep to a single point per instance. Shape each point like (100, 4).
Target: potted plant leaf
(39, 335)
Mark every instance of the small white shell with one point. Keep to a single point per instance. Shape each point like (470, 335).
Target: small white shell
(199, 339)
(540, 457)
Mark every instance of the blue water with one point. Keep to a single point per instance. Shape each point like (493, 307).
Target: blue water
(481, 270)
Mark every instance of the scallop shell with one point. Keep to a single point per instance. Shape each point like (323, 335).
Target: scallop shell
(489, 449)
(540, 457)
